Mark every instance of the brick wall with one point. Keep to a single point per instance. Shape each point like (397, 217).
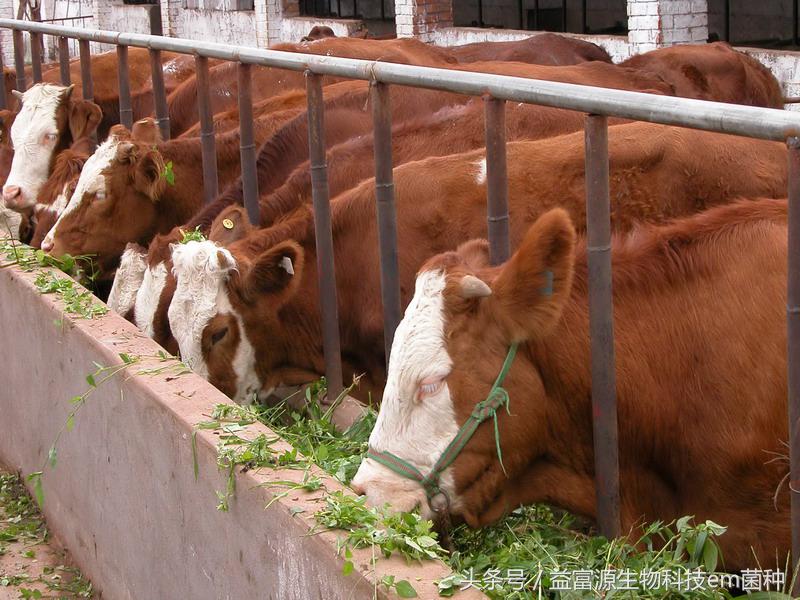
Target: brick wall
(655, 23)
(421, 18)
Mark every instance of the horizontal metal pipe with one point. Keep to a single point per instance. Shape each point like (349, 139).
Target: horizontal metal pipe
(765, 123)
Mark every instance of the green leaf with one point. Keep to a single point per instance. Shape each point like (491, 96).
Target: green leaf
(70, 422)
(38, 491)
(169, 174)
(405, 589)
(126, 358)
(76, 400)
(90, 380)
(426, 541)
(348, 567)
(322, 453)
(52, 457)
(195, 465)
(710, 555)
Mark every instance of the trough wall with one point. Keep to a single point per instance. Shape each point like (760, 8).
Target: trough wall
(123, 496)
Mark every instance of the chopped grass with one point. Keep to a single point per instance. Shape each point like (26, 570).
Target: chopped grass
(21, 523)
(530, 553)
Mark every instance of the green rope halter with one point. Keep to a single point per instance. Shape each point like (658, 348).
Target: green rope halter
(497, 397)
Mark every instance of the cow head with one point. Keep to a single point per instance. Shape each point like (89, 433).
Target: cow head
(446, 354)
(128, 279)
(115, 202)
(47, 122)
(222, 300)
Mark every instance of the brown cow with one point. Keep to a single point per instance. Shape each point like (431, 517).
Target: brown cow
(541, 49)
(273, 317)
(711, 72)
(700, 345)
(317, 33)
(129, 190)
(267, 81)
(49, 120)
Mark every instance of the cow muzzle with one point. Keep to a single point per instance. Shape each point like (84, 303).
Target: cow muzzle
(13, 198)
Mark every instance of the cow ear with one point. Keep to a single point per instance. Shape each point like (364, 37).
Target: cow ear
(231, 225)
(276, 273)
(127, 153)
(149, 175)
(119, 132)
(6, 120)
(532, 287)
(68, 92)
(84, 117)
(146, 131)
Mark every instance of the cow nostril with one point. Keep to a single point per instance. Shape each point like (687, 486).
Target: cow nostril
(358, 488)
(11, 195)
(47, 244)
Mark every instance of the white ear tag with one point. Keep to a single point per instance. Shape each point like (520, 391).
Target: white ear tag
(286, 264)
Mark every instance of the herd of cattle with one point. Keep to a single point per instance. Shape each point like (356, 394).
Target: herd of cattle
(699, 268)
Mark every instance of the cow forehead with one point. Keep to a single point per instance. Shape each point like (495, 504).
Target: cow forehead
(92, 178)
(419, 349)
(148, 297)
(200, 270)
(38, 112)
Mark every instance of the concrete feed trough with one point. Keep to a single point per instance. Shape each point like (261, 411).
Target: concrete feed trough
(123, 496)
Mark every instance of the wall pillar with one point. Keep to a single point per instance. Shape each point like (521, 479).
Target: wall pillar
(421, 18)
(269, 19)
(656, 23)
(170, 15)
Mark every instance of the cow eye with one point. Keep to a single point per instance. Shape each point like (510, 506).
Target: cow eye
(429, 387)
(218, 335)
(51, 137)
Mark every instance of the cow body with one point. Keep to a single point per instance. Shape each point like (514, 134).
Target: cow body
(701, 378)
(541, 49)
(656, 173)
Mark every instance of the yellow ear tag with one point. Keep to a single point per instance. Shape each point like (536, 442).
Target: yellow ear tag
(227, 224)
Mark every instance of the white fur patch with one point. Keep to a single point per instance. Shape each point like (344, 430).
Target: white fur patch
(200, 295)
(91, 181)
(127, 280)
(480, 174)
(148, 296)
(416, 430)
(30, 166)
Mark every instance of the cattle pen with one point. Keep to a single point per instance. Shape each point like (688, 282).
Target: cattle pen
(597, 103)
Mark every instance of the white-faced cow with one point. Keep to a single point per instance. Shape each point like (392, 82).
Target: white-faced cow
(700, 342)
(48, 122)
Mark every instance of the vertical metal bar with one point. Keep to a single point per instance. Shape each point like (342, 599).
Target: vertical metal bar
(207, 145)
(496, 180)
(19, 59)
(535, 15)
(387, 217)
(795, 24)
(63, 60)
(159, 93)
(564, 16)
(601, 323)
(585, 23)
(355, 9)
(3, 90)
(520, 14)
(247, 145)
(727, 31)
(480, 13)
(36, 45)
(86, 70)
(793, 347)
(123, 77)
(36, 57)
(324, 237)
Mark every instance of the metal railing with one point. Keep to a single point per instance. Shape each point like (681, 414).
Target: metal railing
(598, 103)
